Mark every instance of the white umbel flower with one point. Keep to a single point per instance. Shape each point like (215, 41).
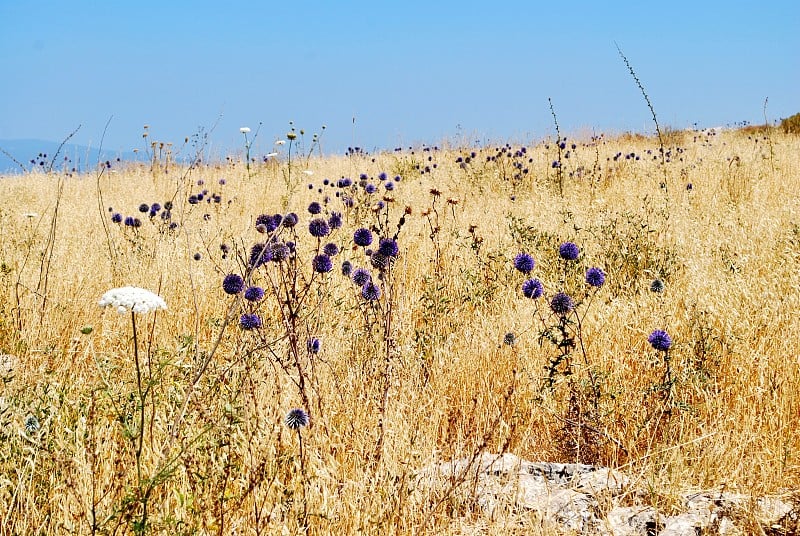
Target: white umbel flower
(244, 130)
(138, 300)
(280, 142)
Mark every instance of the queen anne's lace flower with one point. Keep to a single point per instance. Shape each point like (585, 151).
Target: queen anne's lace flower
(135, 299)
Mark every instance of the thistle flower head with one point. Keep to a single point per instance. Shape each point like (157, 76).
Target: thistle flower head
(132, 299)
(388, 247)
(660, 340)
(362, 237)
(561, 304)
(347, 268)
(296, 419)
(322, 264)
(568, 251)
(361, 276)
(249, 322)
(524, 263)
(371, 291)
(657, 286)
(595, 277)
(313, 345)
(254, 294)
(330, 249)
(233, 284)
(319, 228)
(532, 288)
(509, 339)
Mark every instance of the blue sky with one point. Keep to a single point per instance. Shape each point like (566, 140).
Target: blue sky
(408, 72)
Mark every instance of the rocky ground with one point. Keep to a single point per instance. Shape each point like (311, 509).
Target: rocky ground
(585, 499)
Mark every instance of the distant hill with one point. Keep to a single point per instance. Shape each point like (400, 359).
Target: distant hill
(32, 153)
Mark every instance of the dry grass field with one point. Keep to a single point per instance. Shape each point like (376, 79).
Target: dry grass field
(174, 421)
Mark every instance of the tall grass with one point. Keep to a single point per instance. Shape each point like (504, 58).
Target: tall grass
(424, 374)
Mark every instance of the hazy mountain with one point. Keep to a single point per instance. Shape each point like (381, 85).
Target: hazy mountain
(41, 153)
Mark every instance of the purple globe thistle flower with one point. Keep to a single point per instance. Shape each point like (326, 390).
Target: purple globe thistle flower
(361, 277)
(233, 284)
(193, 200)
(116, 217)
(595, 277)
(296, 419)
(290, 220)
(389, 186)
(657, 286)
(155, 207)
(335, 220)
(137, 222)
(259, 255)
(388, 247)
(254, 294)
(568, 251)
(524, 263)
(362, 237)
(144, 207)
(168, 205)
(263, 222)
(314, 208)
(382, 175)
(313, 345)
(532, 288)
(371, 291)
(279, 252)
(322, 264)
(197, 256)
(330, 249)
(347, 268)
(660, 340)
(249, 322)
(129, 221)
(561, 304)
(509, 339)
(319, 228)
(370, 188)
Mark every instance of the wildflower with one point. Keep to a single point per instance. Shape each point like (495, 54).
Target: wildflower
(197, 256)
(270, 155)
(128, 221)
(134, 299)
(290, 220)
(259, 255)
(254, 294)
(524, 263)
(595, 277)
(370, 188)
(265, 223)
(532, 288)
(561, 304)
(362, 237)
(279, 252)
(509, 339)
(30, 215)
(244, 130)
(657, 286)
(568, 251)
(314, 208)
(32, 424)
(319, 228)
(313, 345)
(144, 207)
(296, 419)
(280, 142)
(388, 247)
(330, 249)
(322, 264)
(361, 277)
(379, 260)
(250, 322)
(347, 268)
(308, 172)
(660, 340)
(335, 220)
(116, 217)
(371, 291)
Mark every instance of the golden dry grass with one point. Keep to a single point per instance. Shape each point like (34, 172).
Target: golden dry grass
(437, 383)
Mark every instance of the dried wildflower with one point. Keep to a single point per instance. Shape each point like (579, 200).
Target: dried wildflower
(509, 339)
(132, 299)
(296, 419)
(657, 286)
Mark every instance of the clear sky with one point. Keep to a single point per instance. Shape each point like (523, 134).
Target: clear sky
(408, 72)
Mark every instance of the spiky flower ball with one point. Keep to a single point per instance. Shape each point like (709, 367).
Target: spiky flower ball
(233, 284)
(322, 264)
(595, 277)
(524, 263)
(254, 294)
(660, 340)
(296, 419)
(361, 277)
(362, 237)
(561, 304)
(313, 345)
(657, 286)
(532, 288)
(568, 251)
(371, 291)
(249, 322)
(319, 228)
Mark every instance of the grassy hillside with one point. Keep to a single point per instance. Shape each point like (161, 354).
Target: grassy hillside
(174, 421)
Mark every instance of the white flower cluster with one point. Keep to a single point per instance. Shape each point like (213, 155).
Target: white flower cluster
(135, 299)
